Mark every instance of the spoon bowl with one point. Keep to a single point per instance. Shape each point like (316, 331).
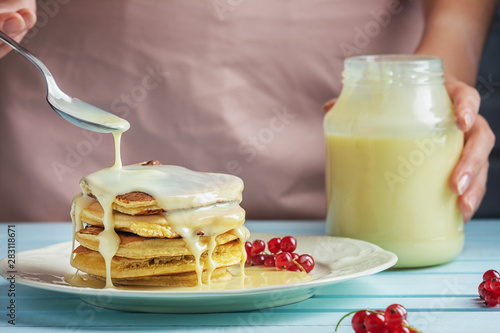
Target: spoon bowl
(75, 111)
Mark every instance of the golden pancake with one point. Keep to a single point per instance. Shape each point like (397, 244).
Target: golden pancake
(92, 262)
(145, 226)
(189, 279)
(159, 226)
(136, 247)
(133, 203)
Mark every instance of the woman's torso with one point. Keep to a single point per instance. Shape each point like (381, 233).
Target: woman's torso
(221, 86)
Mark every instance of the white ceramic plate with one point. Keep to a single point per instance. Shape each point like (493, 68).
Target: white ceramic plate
(337, 259)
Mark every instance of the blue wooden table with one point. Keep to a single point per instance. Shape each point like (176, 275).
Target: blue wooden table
(439, 299)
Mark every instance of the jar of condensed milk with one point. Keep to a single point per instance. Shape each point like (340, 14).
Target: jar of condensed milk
(392, 144)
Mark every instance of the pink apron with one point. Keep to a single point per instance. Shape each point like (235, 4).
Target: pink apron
(231, 86)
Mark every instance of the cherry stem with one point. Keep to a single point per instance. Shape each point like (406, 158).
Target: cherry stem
(371, 311)
(412, 328)
(298, 265)
(348, 314)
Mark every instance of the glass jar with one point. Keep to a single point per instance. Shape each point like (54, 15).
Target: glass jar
(392, 144)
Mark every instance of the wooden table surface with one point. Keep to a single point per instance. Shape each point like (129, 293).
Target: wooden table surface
(439, 299)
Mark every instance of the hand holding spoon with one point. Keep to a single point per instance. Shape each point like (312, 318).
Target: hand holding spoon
(75, 111)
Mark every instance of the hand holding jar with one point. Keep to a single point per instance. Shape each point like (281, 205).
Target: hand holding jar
(392, 144)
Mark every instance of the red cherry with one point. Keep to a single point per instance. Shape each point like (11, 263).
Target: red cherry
(274, 245)
(258, 259)
(288, 244)
(395, 314)
(374, 323)
(269, 261)
(307, 262)
(258, 246)
(491, 298)
(283, 260)
(358, 321)
(490, 275)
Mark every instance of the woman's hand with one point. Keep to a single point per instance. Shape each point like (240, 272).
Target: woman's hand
(468, 179)
(16, 18)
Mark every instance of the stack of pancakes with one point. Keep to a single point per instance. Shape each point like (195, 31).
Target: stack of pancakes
(151, 252)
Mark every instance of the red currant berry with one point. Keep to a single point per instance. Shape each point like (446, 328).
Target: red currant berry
(480, 288)
(307, 262)
(274, 245)
(395, 314)
(258, 259)
(400, 329)
(258, 246)
(294, 268)
(483, 293)
(495, 285)
(374, 323)
(387, 329)
(491, 298)
(269, 261)
(248, 248)
(283, 260)
(490, 275)
(358, 321)
(487, 285)
(295, 256)
(288, 244)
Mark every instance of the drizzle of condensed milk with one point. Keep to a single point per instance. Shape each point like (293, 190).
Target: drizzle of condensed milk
(196, 204)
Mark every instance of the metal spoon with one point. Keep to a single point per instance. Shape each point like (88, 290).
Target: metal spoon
(72, 109)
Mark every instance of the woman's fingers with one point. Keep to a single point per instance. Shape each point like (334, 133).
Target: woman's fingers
(466, 101)
(12, 23)
(16, 25)
(479, 142)
(328, 105)
(466, 179)
(468, 203)
(29, 18)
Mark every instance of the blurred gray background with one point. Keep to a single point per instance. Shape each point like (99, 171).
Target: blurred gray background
(488, 85)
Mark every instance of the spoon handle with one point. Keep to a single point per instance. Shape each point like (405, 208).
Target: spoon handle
(49, 79)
